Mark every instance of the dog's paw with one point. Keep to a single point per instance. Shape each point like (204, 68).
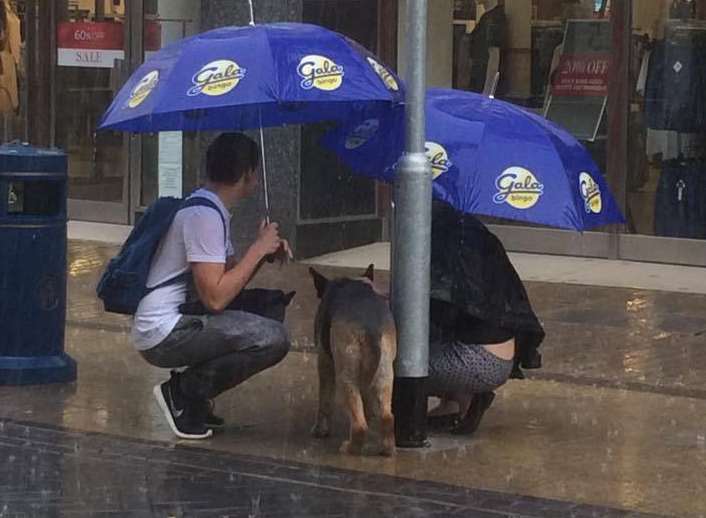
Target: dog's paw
(351, 448)
(321, 430)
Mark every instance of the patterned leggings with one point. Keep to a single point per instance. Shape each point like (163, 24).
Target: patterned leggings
(465, 368)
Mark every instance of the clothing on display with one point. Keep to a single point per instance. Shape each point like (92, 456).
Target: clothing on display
(545, 39)
(675, 83)
(682, 9)
(489, 33)
(10, 57)
(672, 80)
(680, 206)
(670, 144)
(642, 74)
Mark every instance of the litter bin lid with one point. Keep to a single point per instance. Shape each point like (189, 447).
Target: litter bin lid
(24, 158)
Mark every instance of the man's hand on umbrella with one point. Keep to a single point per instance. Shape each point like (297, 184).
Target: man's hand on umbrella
(268, 240)
(273, 246)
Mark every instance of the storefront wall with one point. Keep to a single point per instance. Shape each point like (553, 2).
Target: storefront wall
(644, 126)
(648, 135)
(114, 176)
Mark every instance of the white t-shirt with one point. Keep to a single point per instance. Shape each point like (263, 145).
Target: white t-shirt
(195, 236)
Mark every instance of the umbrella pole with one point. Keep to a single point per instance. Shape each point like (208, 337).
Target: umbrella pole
(263, 166)
(412, 247)
(252, 13)
(265, 188)
(265, 185)
(496, 79)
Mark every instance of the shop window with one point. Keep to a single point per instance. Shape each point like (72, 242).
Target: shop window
(90, 43)
(515, 51)
(667, 137)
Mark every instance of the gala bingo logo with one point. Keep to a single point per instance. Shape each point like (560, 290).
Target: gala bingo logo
(216, 78)
(143, 89)
(519, 188)
(361, 134)
(320, 72)
(591, 194)
(438, 158)
(387, 78)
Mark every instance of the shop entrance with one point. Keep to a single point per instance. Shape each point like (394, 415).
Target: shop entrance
(91, 56)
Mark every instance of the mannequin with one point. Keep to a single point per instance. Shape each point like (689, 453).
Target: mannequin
(486, 42)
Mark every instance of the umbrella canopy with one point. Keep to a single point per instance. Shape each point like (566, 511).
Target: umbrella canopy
(490, 158)
(248, 77)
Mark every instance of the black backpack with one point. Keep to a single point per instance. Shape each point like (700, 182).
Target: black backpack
(124, 281)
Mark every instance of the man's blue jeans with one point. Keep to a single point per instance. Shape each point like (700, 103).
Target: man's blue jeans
(220, 351)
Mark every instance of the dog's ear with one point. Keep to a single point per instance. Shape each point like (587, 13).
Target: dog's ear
(320, 282)
(370, 272)
(287, 298)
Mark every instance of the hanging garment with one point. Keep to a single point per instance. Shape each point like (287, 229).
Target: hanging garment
(489, 33)
(680, 206)
(10, 58)
(675, 85)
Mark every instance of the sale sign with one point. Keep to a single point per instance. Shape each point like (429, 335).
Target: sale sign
(579, 84)
(98, 44)
(582, 75)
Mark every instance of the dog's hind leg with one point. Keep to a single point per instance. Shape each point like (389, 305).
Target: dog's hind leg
(327, 395)
(383, 412)
(381, 405)
(353, 402)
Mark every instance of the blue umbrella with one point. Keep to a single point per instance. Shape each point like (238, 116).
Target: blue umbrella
(236, 78)
(490, 158)
(248, 77)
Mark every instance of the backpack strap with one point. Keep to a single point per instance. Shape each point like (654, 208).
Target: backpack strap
(194, 201)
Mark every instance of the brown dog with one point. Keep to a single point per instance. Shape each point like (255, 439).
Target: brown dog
(357, 343)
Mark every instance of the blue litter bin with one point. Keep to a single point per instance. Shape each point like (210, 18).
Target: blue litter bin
(33, 193)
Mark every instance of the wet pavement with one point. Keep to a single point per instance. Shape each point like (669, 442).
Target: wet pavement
(616, 419)
(618, 337)
(53, 472)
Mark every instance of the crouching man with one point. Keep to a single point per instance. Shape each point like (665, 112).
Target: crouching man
(223, 348)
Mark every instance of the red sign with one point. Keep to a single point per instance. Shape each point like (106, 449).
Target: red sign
(90, 35)
(103, 35)
(582, 75)
(153, 35)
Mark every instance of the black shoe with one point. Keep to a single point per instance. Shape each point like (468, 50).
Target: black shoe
(470, 422)
(213, 421)
(184, 417)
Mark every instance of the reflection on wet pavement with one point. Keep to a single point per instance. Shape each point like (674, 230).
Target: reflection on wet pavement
(615, 418)
(50, 471)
